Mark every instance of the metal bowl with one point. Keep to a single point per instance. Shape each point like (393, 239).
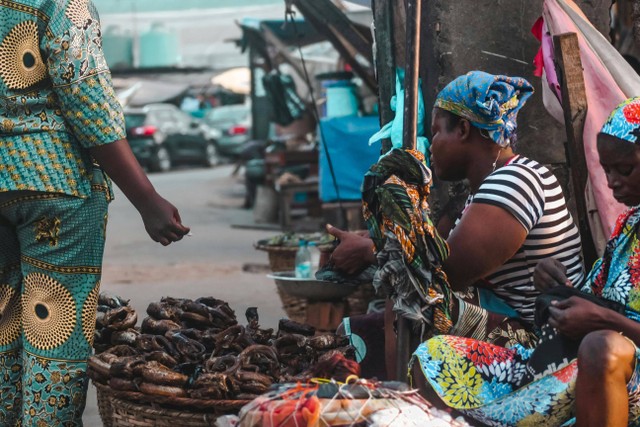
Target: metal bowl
(312, 289)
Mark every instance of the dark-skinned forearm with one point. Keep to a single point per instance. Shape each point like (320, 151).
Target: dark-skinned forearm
(118, 161)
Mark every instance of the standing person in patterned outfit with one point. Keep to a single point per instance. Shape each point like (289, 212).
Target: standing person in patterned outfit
(61, 126)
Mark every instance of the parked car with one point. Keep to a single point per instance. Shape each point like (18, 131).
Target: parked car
(161, 136)
(233, 122)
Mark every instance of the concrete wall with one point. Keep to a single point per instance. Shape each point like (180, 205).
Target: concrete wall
(495, 36)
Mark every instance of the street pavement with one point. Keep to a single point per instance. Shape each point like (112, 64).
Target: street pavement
(209, 263)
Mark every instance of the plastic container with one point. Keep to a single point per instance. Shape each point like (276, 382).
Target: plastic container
(303, 261)
(315, 258)
(159, 47)
(340, 94)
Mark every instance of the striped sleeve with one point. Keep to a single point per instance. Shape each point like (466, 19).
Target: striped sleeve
(516, 188)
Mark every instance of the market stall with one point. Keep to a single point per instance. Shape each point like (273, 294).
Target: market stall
(194, 363)
(324, 298)
(193, 360)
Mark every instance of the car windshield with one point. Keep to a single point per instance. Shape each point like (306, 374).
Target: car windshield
(134, 120)
(225, 114)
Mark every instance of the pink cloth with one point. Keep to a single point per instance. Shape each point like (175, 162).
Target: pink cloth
(605, 90)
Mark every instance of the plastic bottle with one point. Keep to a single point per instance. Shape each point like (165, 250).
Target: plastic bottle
(303, 261)
(315, 258)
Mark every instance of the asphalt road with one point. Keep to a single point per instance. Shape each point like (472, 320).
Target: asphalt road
(209, 263)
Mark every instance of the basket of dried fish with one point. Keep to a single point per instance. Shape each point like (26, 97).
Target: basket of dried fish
(192, 356)
(129, 409)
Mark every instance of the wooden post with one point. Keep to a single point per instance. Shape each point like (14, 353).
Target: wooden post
(574, 104)
(385, 65)
(342, 33)
(411, 72)
(409, 130)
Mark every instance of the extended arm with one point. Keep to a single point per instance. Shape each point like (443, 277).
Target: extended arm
(161, 218)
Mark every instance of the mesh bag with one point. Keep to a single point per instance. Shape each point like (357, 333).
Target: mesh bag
(357, 403)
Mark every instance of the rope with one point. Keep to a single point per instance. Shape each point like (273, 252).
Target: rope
(290, 16)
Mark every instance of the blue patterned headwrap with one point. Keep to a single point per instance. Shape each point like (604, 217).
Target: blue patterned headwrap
(489, 102)
(624, 121)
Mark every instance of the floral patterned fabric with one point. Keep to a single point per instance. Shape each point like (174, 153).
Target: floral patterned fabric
(624, 121)
(495, 385)
(56, 96)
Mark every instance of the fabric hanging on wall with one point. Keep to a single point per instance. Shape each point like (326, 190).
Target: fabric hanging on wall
(608, 79)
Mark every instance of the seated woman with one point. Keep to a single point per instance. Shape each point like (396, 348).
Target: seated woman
(515, 216)
(601, 386)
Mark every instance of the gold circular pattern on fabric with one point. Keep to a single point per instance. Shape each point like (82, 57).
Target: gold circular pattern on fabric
(10, 319)
(49, 312)
(78, 12)
(21, 65)
(89, 314)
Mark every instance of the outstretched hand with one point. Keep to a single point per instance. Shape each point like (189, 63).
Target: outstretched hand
(550, 273)
(354, 252)
(162, 221)
(575, 317)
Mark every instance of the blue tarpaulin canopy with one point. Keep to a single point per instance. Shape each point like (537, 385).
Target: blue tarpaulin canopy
(347, 140)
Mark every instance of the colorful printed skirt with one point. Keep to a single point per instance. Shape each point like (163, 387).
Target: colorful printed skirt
(485, 382)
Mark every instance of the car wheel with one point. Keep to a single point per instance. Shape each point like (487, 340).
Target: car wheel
(161, 160)
(211, 155)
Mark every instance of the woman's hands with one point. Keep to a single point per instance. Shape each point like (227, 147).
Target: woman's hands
(354, 253)
(575, 317)
(550, 273)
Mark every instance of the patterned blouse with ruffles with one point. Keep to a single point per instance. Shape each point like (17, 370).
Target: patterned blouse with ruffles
(56, 96)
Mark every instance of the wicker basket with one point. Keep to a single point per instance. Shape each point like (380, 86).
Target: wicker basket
(104, 405)
(133, 409)
(281, 258)
(296, 308)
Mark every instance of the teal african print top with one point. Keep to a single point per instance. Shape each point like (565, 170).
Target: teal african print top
(56, 95)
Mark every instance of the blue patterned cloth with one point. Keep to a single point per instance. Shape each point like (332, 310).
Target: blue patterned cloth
(56, 96)
(624, 121)
(489, 102)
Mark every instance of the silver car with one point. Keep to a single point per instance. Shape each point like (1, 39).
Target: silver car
(233, 126)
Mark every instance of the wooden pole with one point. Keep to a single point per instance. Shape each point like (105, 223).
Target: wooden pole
(409, 130)
(574, 104)
(385, 65)
(411, 72)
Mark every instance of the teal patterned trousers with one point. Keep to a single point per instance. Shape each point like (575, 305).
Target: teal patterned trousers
(51, 248)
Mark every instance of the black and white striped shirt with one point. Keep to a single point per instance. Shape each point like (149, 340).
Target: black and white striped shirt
(532, 194)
